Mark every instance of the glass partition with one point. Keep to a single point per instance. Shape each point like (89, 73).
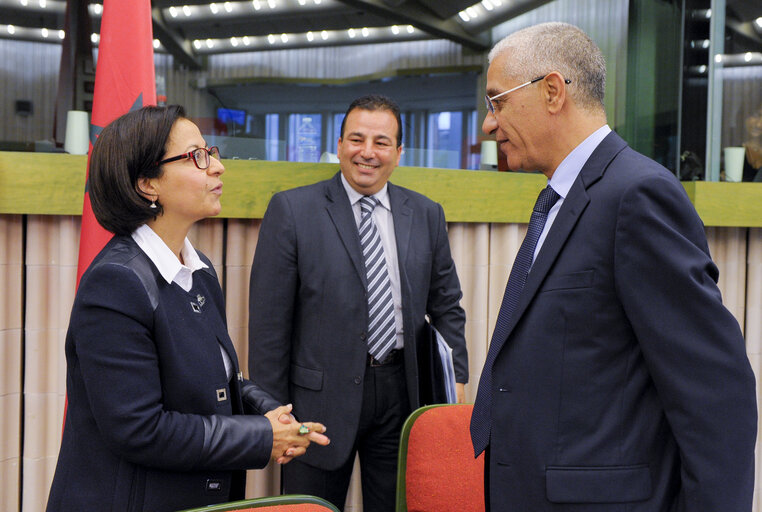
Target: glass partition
(445, 140)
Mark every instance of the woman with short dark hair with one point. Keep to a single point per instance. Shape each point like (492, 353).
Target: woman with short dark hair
(159, 417)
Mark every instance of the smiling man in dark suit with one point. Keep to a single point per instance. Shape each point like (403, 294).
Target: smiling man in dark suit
(616, 379)
(344, 273)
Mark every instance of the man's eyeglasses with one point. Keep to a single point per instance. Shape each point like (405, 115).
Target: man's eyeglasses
(200, 156)
(488, 99)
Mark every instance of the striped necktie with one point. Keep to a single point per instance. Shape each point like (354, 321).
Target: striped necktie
(382, 331)
(480, 418)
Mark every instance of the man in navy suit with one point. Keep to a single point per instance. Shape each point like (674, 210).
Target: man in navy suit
(616, 379)
(313, 309)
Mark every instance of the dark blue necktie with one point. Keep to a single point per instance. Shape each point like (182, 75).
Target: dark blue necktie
(480, 419)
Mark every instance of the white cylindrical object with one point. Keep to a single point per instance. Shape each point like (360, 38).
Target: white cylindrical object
(489, 154)
(77, 141)
(734, 159)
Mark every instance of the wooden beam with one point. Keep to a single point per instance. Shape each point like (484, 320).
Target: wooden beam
(54, 183)
(416, 15)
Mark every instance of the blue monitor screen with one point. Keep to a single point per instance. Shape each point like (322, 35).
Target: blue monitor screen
(227, 115)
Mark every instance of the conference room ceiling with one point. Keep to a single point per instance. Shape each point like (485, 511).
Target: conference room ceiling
(191, 29)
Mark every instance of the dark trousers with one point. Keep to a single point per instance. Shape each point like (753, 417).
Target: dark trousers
(385, 408)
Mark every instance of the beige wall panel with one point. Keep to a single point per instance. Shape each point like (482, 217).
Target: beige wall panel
(43, 417)
(10, 428)
(239, 251)
(470, 244)
(9, 485)
(11, 302)
(207, 236)
(11, 268)
(241, 242)
(728, 249)
(754, 294)
(52, 250)
(237, 303)
(263, 482)
(483, 254)
(10, 370)
(11, 230)
(52, 240)
(45, 361)
(11, 323)
(38, 474)
(505, 240)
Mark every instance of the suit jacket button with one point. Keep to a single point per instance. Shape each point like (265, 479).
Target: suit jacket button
(363, 336)
(358, 380)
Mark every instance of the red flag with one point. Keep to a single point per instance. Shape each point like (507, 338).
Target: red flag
(124, 81)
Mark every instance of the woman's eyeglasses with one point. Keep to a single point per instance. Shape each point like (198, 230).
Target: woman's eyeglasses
(200, 156)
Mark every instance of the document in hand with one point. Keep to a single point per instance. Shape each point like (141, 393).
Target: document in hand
(448, 370)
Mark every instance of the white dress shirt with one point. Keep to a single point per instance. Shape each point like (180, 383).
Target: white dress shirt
(382, 216)
(172, 270)
(564, 176)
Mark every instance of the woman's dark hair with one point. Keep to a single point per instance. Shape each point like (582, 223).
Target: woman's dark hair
(125, 151)
(376, 102)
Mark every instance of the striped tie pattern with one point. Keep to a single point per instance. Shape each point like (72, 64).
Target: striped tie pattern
(382, 330)
(480, 418)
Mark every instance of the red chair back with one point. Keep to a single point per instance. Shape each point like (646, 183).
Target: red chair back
(437, 462)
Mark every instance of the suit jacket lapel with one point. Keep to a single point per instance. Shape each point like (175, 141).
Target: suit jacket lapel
(343, 219)
(571, 210)
(403, 221)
